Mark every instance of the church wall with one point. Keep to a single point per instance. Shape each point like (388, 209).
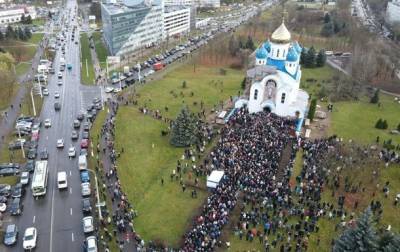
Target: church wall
(282, 48)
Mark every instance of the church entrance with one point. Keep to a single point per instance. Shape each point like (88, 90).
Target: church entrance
(267, 109)
(270, 90)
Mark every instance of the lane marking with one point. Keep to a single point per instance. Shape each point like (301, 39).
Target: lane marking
(70, 173)
(70, 211)
(52, 221)
(34, 219)
(70, 190)
(72, 237)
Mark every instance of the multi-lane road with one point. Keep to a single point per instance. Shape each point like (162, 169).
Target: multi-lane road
(58, 215)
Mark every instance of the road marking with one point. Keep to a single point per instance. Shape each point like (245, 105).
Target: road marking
(70, 211)
(70, 173)
(70, 190)
(52, 221)
(73, 239)
(34, 218)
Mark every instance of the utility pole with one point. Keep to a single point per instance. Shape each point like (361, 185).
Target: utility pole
(33, 102)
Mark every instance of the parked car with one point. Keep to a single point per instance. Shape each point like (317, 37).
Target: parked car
(32, 153)
(44, 154)
(15, 207)
(85, 176)
(3, 199)
(5, 190)
(80, 116)
(30, 237)
(91, 244)
(24, 180)
(9, 165)
(85, 143)
(17, 191)
(11, 235)
(85, 189)
(45, 92)
(9, 172)
(85, 134)
(87, 223)
(30, 166)
(86, 205)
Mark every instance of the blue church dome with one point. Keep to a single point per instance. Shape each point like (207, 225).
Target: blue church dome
(292, 55)
(267, 46)
(261, 53)
(297, 47)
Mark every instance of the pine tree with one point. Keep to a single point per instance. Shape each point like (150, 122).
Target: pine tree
(250, 43)
(310, 58)
(10, 34)
(28, 33)
(375, 98)
(184, 129)
(389, 242)
(327, 30)
(378, 124)
(28, 20)
(21, 34)
(23, 19)
(327, 18)
(311, 111)
(362, 237)
(321, 58)
(303, 57)
(243, 85)
(385, 124)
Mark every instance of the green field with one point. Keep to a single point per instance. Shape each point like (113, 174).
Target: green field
(87, 70)
(100, 48)
(22, 67)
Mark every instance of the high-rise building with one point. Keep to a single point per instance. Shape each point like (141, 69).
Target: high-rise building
(393, 12)
(132, 25)
(176, 20)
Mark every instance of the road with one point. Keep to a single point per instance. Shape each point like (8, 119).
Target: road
(58, 214)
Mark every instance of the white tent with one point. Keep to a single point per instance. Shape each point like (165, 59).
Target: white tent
(214, 178)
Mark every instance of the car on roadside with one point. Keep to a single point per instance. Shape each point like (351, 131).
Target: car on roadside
(30, 166)
(56, 94)
(85, 189)
(47, 123)
(3, 207)
(74, 135)
(44, 154)
(80, 116)
(83, 152)
(30, 237)
(86, 126)
(9, 172)
(45, 92)
(109, 89)
(11, 235)
(15, 208)
(76, 124)
(85, 134)
(71, 152)
(86, 205)
(32, 153)
(87, 223)
(24, 179)
(18, 191)
(85, 176)
(85, 143)
(5, 190)
(60, 143)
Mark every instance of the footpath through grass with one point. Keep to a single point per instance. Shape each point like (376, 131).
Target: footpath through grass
(100, 48)
(87, 70)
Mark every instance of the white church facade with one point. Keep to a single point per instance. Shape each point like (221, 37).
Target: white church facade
(276, 78)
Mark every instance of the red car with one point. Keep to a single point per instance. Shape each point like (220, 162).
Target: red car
(35, 136)
(85, 143)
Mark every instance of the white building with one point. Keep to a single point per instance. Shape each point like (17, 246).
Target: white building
(393, 12)
(276, 78)
(176, 20)
(9, 16)
(195, 3)
(178, 2)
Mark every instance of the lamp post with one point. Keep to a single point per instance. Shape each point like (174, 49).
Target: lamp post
(97, 193)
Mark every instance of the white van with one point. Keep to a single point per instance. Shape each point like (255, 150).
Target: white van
(82, 162)
(62, 180)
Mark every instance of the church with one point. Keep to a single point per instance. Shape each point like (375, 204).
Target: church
(276, 78)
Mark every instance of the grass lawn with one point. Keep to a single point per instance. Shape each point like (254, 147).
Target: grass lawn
(22, 51)
(356, 120)
(11, 180)
(312, 79)
(6, 96)
(22, 67)
(100, 48)
(87, 70)
(39, 22)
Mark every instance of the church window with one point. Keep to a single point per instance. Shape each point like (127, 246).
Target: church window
(283, 97)
(277, 53)
(283, 53)
(255, 94)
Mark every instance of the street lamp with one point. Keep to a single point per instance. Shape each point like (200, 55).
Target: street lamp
(97, 194)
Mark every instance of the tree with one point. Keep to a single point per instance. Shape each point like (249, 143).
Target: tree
(184, 84)
(10, 33)
(378, 124)
(28, 20)
(311, 111)
(310, 58)
(398, 127)
(362, 237)
(184, 129)
(1, 36)
(23, 19)
(21, 34)
(385, 124)
(321, 58)
(303, 57)
(28, 33)
(233, 45)
(375, 97)
(389, 242)
(327, 30)
(243, 85)
(250, 44)
(327, 18)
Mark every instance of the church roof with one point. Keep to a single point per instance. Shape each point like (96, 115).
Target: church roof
(267, 46)
(297, 46)
(281, 34)
(292, 55)
(261, 53)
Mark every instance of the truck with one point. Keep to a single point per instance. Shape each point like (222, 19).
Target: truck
(158, 66)
(82, 162)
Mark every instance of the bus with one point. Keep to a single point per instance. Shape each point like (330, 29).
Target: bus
(39, 180)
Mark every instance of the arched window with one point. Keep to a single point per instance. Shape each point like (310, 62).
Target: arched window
(259, 62)
(283, 97)
(277, 53)
(283, 53)
(255, 94)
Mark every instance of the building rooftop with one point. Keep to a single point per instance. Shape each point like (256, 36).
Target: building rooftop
(172, 8)
(118, 8)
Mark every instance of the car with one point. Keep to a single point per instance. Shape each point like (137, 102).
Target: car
(45, 92)
(30, 166)
(91, 244)
(71, 152)
(109, 89)
(17, 191)
(62, 180)
(87, 223)
(56, 94)
(9, 172)
(60, 75)
(36, 128)
(89, 108)
(11, 235)
(86, 205)
(9, 165)
(24, 180)
(3, 199)
(3, 207)
(80, 116)
(5, 190)
(35, 136)
(30, 237)
(83, 152)
(59, 82)
(85, 134)
(15, 207)
(60, 143)
(57, 106)
(44, 154)
(47, 123)
(32, 153)
(85, 176)
(85, 143)
(74, 135)
(85, 189)
(86, 126)
(76, 124)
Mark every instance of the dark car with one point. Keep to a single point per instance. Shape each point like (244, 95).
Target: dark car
(76, 124)
(86, 205)
(85, 143)
(83, 152)
(15, 207)
(5, 190)
(89, 108)
(3, 199)
(11, 235)
(57, 106)
(85, 134)
(32, 153)
(9, 172)
(30, 166)
(86, 126)
(9, 165)
(44, 154)
(74, 135)
(80, 116)
(25, 118)
(18, 191)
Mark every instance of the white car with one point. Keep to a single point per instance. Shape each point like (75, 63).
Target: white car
(47, 123)
(71, 152)
(56, 95)
(3, 207)
(60, 75)
(87, 223)
(60, 82)
(108, 89)
(85, 189)
(91, 244)
(60, 143)
(30, 237)
(24, 178)
(45, 91)
(62, 182)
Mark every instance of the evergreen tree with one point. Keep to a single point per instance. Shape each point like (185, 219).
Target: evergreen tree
(23, 19)
(233, 45)
(184, 129)
(378, 124)
(398, 127)
(362, 237)
(385, 124)
(321, 58)
(21, 34)
(303, 57)
(327, 18)
(310, 58)
(28, 33)
(311, 111)
(184, 84)
(250, 43)
(389, 242)
(28, 20)
(375, 98)
(327, 30)
(1, 36)
(243, 85)
(10, 34)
